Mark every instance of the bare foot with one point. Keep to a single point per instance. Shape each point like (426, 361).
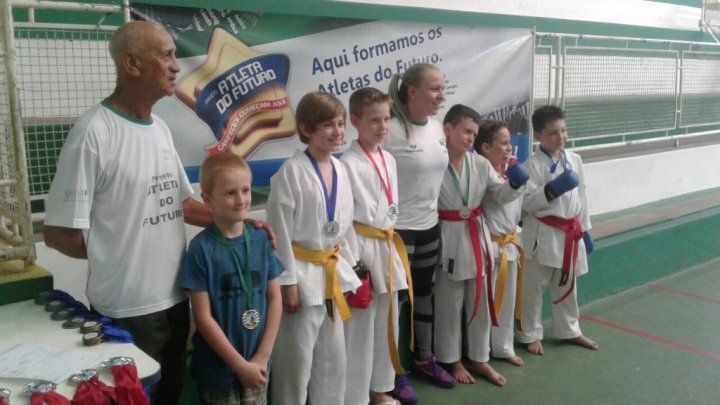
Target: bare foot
(535, 348)
(584, 342)
(485, 370)
(461, 374)
(515, 360)
(381, 398)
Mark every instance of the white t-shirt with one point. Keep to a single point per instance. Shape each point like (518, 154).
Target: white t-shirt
(421, 163)
(120, 180)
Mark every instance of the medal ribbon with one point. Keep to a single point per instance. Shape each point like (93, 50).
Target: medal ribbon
(114, 333)
(333, 294)
(244, 275)
(573, 235)
(94, 392)
(465, 195)
(128, 389)
(389, 235)
(49, 398)
(454, 215)
(563, 160)
(503, 241)
(386, 185)
(330, 200)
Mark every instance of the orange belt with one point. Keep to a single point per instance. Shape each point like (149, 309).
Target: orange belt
(503, 241)
(573, 233)
(456, 216)
(333, 293)
(389, 235)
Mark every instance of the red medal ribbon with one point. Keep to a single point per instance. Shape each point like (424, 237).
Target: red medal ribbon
(573, 234)
(455, 216)
(128, 389)
(386, 185)
(94, 392)
(49, 398)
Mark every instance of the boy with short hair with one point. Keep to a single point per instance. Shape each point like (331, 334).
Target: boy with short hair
(231, 272)
(310, 207)
(493, 143)
(555, 234)
(371, 334)
(464, 284)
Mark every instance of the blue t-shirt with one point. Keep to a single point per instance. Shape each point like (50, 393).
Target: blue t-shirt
(208, 266)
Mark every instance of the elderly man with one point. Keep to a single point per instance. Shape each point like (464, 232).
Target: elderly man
(120, 198)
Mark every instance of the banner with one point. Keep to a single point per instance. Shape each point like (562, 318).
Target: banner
(243, 74)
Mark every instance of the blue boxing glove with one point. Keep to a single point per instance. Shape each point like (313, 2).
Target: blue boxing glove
(589, 245)
(517, 175)
(561, 185)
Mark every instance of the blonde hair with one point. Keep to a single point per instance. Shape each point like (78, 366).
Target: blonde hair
(215, 164)
(364, 97)
(414, 76)
(316, 107)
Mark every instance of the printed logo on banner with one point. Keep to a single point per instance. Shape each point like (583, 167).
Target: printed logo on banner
(240, 93)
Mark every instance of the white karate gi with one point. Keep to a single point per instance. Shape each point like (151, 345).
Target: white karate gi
(544, 246)
(502, 219)
(455, 286)
(369, 365)
(309, 354)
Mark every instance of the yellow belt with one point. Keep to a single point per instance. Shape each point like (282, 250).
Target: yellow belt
(503, 241)
(333, 293)
(389, 235)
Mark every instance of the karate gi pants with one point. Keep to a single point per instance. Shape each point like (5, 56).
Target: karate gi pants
(452, 299)
(501, 336)
(309, 358)
(565, 315)
(368, 354)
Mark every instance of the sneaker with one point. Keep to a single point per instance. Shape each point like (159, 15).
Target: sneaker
(403, 391)
(437, 375)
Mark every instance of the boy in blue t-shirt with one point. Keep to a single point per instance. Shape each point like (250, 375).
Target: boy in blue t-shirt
(231, 273)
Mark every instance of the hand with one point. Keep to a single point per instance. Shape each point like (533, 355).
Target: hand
(252, 375)
(290, 298)
(561, 185)
(517, 175)
(589, 244)
(256, 223)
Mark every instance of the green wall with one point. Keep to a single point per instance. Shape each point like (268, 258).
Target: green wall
(373, 12)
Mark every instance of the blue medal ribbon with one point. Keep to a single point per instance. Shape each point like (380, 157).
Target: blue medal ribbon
(113, 333)
(330, 200)
(563, 160)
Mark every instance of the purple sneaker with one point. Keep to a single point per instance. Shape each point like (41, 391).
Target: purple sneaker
(403, 391)
(437, 375)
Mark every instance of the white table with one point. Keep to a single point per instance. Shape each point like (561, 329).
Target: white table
(27, 322)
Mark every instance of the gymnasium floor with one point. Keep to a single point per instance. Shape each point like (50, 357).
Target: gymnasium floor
(659, 344)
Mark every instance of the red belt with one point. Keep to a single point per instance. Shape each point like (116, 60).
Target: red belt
(457, 216)
(573, 233)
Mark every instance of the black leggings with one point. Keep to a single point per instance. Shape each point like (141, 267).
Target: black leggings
(423, 252)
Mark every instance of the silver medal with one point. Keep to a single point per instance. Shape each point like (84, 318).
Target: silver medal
(331, 228)
(465, 212)
(251, 319)
(393, 211)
